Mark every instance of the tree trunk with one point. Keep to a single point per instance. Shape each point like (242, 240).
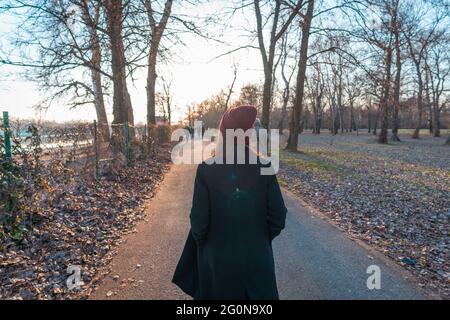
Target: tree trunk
(287, 82)
(398, 64)
(122, 108)
(157, 31)
(267, 59)
(382, 138)
(352, 118)
(352, 126)
(339, 101)
(319, 123)
(96, 62)
(267, 90)
(169, 112)
(102, 119)
(416, 134)
(429, 105)
(284, 109)
(300, 87)
(316, 111)
(375, 127)
(336, 121)
(151, 85)
(437, 121)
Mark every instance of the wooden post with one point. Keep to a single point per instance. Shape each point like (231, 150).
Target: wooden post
(6, 130)
(8, 154)
(127, 143)
(96, 149)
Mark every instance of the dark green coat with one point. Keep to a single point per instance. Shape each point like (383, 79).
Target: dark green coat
(236, 213)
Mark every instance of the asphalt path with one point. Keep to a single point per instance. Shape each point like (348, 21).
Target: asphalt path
(314, 259)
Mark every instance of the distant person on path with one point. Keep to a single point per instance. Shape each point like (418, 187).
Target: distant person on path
(257, 126)
(236, 213)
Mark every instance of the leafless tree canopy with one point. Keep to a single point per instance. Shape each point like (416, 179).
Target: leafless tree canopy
(343, 65)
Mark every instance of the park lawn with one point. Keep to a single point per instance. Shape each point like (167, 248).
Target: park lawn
(395, 197)
(423, 132)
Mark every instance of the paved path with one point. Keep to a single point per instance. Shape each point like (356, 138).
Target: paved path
(314, 260)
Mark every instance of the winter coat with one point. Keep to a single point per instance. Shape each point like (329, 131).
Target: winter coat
(236, 213)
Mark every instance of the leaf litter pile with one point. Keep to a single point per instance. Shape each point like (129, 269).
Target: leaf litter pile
(81, 223)
(395, 197)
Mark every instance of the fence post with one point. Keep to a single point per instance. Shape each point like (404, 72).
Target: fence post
(127, 143)
(96, 149)
(8, 153)
(145, 134)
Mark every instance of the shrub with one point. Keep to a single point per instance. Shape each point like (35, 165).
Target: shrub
(161, 133)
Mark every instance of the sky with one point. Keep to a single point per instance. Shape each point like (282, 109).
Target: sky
(195, 76)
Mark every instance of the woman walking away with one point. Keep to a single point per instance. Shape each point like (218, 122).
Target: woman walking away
(236, 213)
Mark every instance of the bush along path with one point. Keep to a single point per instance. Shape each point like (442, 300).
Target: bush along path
(77, 224)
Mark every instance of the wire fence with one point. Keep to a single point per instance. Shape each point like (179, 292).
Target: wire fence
(65, 188)
(34, 156)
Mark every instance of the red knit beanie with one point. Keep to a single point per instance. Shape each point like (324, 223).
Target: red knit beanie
(242, 117)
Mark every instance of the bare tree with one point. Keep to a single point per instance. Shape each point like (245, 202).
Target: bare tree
(231, 88)
(396, 30)
(437, 69)
(57, 42)
(376, 30)
(300, 83)
(122, 108)
(337, 77)
(316, 87)
(418, 39)
(157, 29)
(333, 109)
(353, 90)
(165, 100)
(250, 94)
(278, 28)
(286, 75)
